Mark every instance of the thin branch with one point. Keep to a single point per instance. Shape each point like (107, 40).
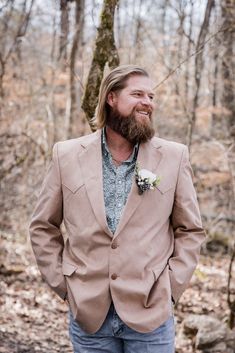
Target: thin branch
(43, 152)
(68, 64)
(196, 52)
(20, 31)
(5, 5)
(18, 160)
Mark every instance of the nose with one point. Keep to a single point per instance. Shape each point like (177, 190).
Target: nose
(147, 101)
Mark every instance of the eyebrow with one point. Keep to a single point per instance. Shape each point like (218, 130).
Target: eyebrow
(142, 91)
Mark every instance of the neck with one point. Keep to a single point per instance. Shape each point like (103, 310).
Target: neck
(116, 142)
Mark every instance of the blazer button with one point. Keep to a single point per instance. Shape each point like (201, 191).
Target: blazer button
(114, 245)
(114, 276)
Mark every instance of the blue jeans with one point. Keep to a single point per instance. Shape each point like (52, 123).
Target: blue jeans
(116, 337)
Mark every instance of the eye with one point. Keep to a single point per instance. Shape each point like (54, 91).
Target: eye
(137, 94)
(151, 98)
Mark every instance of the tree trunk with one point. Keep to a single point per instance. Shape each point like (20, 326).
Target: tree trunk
(189, 45)
(105, 52)
(228, 97)
(74, 124)
(231, 303)
(9, 47)
(199, 64)
(228, 63)
(2, 73)
(217, 128)
(137, 39)
(64, 30)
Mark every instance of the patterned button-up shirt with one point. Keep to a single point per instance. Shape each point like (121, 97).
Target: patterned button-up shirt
(117, 183)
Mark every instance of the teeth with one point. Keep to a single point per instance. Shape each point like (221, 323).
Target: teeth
(145, 113)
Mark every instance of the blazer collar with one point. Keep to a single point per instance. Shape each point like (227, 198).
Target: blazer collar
(91, 166)
(149, 157)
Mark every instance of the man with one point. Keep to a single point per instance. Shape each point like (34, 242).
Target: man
(133, 234)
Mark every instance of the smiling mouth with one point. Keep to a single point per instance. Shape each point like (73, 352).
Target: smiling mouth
(143, 113)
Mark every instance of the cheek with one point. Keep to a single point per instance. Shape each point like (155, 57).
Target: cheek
(153, 105)
(127, 106)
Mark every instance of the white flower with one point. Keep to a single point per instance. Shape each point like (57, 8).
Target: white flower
(145, 179)
(146, 174)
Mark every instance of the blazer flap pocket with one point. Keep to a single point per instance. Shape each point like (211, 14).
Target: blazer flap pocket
(164, 188)
(68, 269)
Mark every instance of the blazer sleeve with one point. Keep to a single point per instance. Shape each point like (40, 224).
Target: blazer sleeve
(46, 237)
(187, 228)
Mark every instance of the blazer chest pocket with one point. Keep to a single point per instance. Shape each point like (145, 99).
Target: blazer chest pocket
(164, 189)
(68, 269)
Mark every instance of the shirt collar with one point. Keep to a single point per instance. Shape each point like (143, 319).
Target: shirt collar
(105, 148)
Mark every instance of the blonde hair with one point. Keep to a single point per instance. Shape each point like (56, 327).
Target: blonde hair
(113, 82)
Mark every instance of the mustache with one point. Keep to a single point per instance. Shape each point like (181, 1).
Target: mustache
(143, 109)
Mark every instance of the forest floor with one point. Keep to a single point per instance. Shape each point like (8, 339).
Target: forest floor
(34, 319)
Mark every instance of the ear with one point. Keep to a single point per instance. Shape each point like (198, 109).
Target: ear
(111, 98)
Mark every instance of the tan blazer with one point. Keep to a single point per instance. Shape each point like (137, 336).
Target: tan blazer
(153, 252)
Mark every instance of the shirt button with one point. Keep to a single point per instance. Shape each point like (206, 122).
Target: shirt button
(114, 276)
(114, 245)
(119, 204)
(119, 182)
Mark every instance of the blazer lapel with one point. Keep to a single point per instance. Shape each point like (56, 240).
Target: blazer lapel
(149, 157)
(92, 171)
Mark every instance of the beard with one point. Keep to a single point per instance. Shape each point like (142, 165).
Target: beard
(133, 130)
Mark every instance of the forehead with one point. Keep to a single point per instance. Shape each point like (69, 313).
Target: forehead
(140, 83)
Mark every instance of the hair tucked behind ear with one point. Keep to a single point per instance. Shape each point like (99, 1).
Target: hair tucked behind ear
(114, 81)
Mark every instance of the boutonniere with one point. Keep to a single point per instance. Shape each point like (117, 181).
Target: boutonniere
(145, 179)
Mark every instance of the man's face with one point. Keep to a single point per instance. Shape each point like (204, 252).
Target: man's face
(131, 109)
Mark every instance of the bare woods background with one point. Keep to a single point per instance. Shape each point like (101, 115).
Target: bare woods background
(52, 58)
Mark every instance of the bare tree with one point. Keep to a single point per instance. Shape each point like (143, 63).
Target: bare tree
(228, 102)
(188, 50)
(217, 124)
(230, 301)
(199, 64)
(137, 36)
(77, 41)
(105, 52)
(228, 62)
(13, 25)
(164, 7)
(64, 30)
